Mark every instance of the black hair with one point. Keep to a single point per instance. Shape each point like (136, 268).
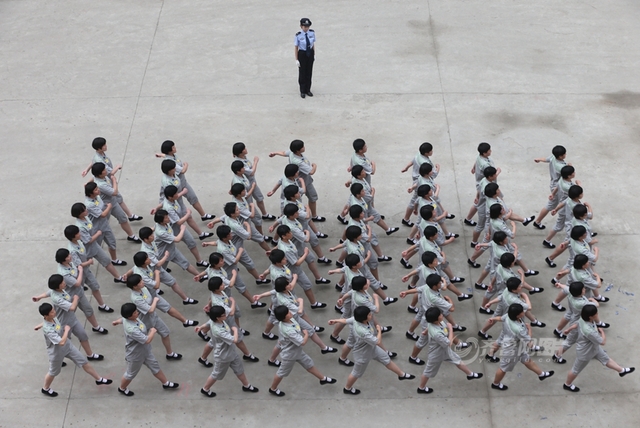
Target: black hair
(515, 309)
(133, 280)
(432, 314)
(223, 231)
(159, 216)
(353, 232)
(289, 210)
(426, 212)
(214, 258)
(98, 143)
(236, 166)
(513, 283)
(139, 258)
(55, 281)
(489, 171)
(499, 236)
(580, 260)
(580, 211)
(588, 311)
(358, 283)
(166, 146)
(433, 280)
(507, 259)
(97, 169)
(575, 191)
(575, 288)
(216, 312)
(145, 232)
(491, 189)
(577, 232)
(282, 230)
(425, 148)
(483, 148)
(352, 260)
(430, 232)
(237, 189)
(356, 170)
(425, 169)
(45, 309)
(495, 210)
(71, 231)
(428, 257)
(61, 255)
(291, 170)
(127, 310)
(89, 188)
(423, 190)
(167, 165)
(214, 284)
(358, 144)
(230, 208)
(290, 191)
(355, 211)
(280, 284)
(361, 313)
(276, 256)
(170, 191)
(238, 148)
(356, 188)
(296, 146)
(77, 209)
(280, 312)
(558, 151)
(566, 171)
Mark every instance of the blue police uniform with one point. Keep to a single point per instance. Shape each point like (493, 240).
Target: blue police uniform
(305, 42)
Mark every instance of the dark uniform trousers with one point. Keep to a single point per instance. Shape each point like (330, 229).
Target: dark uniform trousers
(305, 71)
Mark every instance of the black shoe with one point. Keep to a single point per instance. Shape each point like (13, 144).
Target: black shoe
(329, 350)
(250, 388)
(322, 235)
(174, 356)
(539, 226)
(118, 262)
(268, 217)
(412, 336)
(302, 95)
(190, 323)
(406, 376)
(559, 334)
(383, 287)
(603, 299)
(492, 358)
(528, 220)
(459, 328)
(207, 217)
(339, 264)
(100, 330)
(473, 264)
(392, 230)
(499, 387)
(205, 235)
(277, 392)
(51, 393)
(386, 328)
(309, 94)
(456, 279)
(485, 311)
(95, 357)
(470, 222)
(204, 336)
(205, 363)
(475, 376)
(385, 259)
(548, 244)
(338, 340)
(104, 381)
(119, 280)
(417, 361)
(209, 393)
(324, 261)
(412, 310)
(346, 362)
(558, 307)
(324, 280)
(626, 371)
(318, 329)
(545, 375)
(275, 363)
(352, 391)
(190, 301)
(484, 336)
(338, 309)
(558, 360)
(202, 263)
(450, 216)
(411, 241)
(160, 292)
(263, 281)
(319, 305)
(319, 219)
(473, 244)
(536, 290)
(135, 218)
(327, 381)
(603, 325)
(251, 358)
(550, 262)
(125, 392)
(342, 219)
(405, 263)
(571, 387)
(258, 305)
(269, 336)
(465, 297)
(171, 385)
(426, 389)
(390, 301)
(480, 286)
(531, 273)
(407, 223)
(134, 238)
(105, 308)
(538, 324)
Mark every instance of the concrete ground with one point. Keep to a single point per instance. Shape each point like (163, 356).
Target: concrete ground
(522, 76)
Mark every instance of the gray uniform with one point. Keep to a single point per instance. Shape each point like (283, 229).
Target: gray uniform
(291, 253)
(507, 298)
(107, 193)
(79, 256)
(250, 174)
(418, 160)
(245, 214)
(62, 304)
(572, 315)
(481, 164)
(500, 284)
(57, 353)
(363, 160)
(191, 194)
(143, 300)
(70, 275)
(366, 347)
(290, 344)
(481, 205)
(303, 219)
(579, 247)
(154, 255)
(95, 207)
(439, 349)
(148, 278)
(562, 194)
(366, 242)
(87, 230)
(137, 351)
(176, 212)
(238, 235)
(588, 346)
(224, 351)
(229, 253)
(299, 237)
(513, 340)
(305, 168)
(165, 241)
(555, 166)
(358, 248)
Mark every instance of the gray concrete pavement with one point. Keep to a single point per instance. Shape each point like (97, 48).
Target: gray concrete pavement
(523, 76)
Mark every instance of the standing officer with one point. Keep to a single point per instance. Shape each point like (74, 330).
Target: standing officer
(305, 47)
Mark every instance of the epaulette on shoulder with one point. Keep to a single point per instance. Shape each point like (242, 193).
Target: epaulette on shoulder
(311, 30)
(298, 33)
